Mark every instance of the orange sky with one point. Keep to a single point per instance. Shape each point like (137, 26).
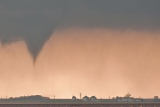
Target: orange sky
(100, 62)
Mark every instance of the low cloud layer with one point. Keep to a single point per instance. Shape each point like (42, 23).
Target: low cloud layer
(34, 21)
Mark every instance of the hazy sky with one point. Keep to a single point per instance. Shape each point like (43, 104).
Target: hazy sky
(64, 47)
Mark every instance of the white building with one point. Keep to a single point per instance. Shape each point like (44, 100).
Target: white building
(85, 98)
(73, 98)
(93, 98)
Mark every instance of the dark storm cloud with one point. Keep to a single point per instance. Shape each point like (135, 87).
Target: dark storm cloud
(35, 20)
